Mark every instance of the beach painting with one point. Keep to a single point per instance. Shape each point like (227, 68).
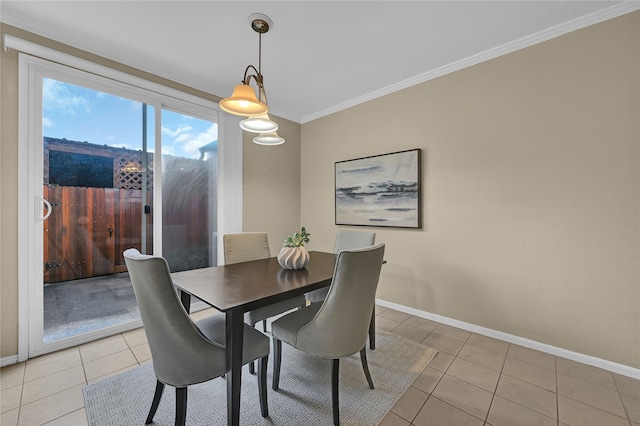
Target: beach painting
(382, 190)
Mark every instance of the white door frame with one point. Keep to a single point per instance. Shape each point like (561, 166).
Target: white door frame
(30, 173)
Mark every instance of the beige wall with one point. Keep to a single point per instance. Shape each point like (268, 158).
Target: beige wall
(271, 185)
(531, 191)
(271, 178)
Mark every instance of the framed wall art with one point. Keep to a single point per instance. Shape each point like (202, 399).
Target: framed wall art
(382, 190)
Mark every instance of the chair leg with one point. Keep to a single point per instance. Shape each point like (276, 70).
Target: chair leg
(156, 401)
(262, 385)
(181, 406)
(252, 366)
(335, 366)
(264, 325)
(365, 366)
(277, 358)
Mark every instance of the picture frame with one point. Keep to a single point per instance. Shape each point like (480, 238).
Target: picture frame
(381, 190)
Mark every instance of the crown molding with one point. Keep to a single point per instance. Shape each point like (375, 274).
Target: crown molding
(539, 37)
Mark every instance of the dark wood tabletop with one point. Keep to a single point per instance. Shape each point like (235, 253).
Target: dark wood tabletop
(248, 285)
(240, 287)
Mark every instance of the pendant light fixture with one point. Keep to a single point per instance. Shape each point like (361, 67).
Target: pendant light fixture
(259, 124)
(270, 138)
(244, 102)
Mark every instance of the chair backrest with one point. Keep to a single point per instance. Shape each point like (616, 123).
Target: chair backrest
(180, 352)
(245, 246)
(353, 239)
(341, 326)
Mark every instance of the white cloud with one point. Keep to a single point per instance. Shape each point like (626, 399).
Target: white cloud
(192, 143)
(176, 133)
(46, 122)
(57, 96)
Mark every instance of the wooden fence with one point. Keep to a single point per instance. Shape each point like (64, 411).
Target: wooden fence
(89, 228)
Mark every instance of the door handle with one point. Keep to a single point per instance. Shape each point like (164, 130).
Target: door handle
(49, 209)
(110, 232)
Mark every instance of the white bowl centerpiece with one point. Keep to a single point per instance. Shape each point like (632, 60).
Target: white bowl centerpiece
(293, 254)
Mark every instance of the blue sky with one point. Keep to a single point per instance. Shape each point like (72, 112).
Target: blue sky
(81, 114)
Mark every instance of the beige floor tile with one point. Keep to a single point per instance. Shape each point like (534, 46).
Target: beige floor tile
(532, 356)
(574, 413)
(467, 397)
(11, 375)
(386, 324)
(587, 373)
(524, 391)
(51, 363)
(392, 314)
(428, 379)
(53, 383)
(474, 374)
(392, 419)
(103, 347)
(10, 398)
(410, 403)
(530, 373)
(632, 404)
(141, 352)
(52, 407)
(135, 337)
(423, 323)
(488, 343)
(528, 395)
(77, 418)
(452, 332)
(442, 361)
(443, 343)
(484, 357)
(437, 413)
(590, 394)
(627, 385)
(9, 418)
(410, 332)
(109, 364)
(507, 413)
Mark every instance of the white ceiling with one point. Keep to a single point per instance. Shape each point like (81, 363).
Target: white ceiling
(320, 56)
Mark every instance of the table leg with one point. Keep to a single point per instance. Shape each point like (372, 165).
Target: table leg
(185, 298)
(235, 330)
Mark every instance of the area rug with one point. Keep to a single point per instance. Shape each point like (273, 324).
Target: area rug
(304, 397)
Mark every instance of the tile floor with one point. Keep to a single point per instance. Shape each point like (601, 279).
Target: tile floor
(474, 380)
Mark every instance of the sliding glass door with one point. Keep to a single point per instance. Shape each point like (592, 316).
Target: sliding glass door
(100, 187)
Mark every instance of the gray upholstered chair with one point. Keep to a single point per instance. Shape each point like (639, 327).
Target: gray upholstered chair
(339, 326)
(344, 240)
(184, 352)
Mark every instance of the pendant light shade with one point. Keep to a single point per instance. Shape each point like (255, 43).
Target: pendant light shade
(270, 138)
(243, 102)
(259, 124)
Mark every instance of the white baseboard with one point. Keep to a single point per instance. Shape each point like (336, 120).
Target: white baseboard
(614, 367)
(8, 360)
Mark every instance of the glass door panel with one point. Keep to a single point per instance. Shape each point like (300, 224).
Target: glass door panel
(189, 191)
(97, 180)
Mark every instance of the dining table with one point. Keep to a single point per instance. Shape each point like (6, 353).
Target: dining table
(240, 287)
